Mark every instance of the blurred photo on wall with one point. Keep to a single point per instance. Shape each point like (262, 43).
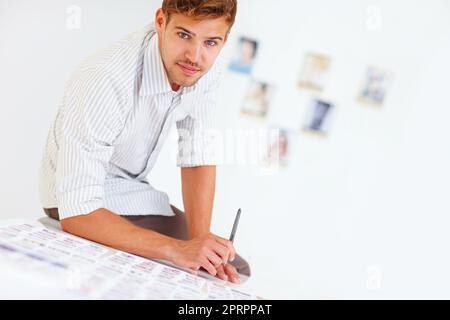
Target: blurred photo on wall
(375, 86)
(279, 147)
(314, 74)
(246, 52)
(257, 101)
(318, 116)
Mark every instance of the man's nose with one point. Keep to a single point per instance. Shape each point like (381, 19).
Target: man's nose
(194, 53)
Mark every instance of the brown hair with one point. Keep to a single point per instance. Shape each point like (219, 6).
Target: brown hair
(209, 9)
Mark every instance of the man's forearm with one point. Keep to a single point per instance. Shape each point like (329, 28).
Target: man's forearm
(107, 228)
(198, 186)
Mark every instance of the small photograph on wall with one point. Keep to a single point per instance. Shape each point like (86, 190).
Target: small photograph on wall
(375, 85)
(257, 101)
(246, 52)
(318, 117)
(314, 74)
(279, 145)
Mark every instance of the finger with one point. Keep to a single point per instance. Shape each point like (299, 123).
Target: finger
(222, 251)
(229, 245)
(214, 258)
(221, 273)
(232, 274)
(208, 267)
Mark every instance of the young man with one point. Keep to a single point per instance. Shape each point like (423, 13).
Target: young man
(115, 115)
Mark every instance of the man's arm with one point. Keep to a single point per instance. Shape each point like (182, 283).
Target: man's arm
(198, 186)
(105, 227)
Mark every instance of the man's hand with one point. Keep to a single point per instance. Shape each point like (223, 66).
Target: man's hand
(208, 252)
(228, 273)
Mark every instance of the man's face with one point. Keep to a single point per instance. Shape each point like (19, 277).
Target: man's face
(189, 47)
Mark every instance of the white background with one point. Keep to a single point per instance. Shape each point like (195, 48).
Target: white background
(363, 213)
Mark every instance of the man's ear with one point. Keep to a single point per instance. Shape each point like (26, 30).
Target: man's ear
(160, 19)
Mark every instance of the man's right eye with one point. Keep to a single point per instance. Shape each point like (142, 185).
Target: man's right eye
(183, 35)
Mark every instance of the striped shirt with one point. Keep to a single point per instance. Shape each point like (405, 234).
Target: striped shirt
(116, 112)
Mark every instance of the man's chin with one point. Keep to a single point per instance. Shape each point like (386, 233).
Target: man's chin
(188, 82)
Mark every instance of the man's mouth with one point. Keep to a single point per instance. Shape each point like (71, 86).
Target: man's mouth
(188, 70)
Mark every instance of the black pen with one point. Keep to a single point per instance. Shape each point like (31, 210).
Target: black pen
(235, 224)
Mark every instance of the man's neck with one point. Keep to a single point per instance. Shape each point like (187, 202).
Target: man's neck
(175, 87)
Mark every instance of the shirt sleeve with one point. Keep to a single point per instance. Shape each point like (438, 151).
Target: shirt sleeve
(91, 121)
(197, 141)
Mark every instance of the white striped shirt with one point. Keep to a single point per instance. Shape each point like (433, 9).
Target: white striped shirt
(116, 113)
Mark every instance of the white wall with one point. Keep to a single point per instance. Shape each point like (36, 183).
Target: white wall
(365, 206)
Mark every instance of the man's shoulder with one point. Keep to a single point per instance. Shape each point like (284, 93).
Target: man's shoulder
(111, 73)
(121, 60)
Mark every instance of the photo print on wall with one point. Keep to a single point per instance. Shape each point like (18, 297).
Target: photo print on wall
(374, 88)
(318, 116)
(315, 70)
(245, 56)
(257, 102)
(279, 145)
